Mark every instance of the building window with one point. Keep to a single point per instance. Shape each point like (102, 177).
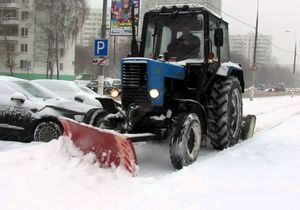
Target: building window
(8, 13)
(9, 30)
(24, 48)
(24, 64)
(61, 66)
(10, 47)
(25, 15)
(62, 52)
(24, 31)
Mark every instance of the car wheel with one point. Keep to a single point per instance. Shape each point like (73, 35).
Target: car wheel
(46, 131)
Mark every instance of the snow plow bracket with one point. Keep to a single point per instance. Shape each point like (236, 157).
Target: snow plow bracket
(248, 127)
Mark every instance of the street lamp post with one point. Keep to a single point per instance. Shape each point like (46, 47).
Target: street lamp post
(295, 60)
(252, 90)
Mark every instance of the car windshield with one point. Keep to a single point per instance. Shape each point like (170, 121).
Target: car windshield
(164, 31)
(116, 82)
(34, 90)
(87, 90)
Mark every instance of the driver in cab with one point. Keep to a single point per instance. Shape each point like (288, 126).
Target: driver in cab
(184, 47)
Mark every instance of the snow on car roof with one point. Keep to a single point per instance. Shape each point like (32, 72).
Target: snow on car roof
(9, 78)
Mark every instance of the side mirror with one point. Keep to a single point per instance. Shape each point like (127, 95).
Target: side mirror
(18, 97)
(219, 37)
(79, 98)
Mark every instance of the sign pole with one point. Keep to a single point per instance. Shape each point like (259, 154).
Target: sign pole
(103, 36)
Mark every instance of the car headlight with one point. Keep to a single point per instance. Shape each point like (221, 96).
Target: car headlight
(78, 117)
(114, 93)
(154, 93)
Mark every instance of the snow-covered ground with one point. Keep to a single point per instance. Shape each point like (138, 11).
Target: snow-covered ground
(262, 173)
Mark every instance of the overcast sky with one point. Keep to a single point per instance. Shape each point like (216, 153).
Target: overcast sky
(276, 16)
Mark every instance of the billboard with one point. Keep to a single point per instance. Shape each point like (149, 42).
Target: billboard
(121, 17)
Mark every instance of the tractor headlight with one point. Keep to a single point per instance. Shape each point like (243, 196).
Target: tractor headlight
(114, 92)
(154, 93)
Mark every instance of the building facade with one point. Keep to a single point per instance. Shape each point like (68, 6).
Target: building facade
(244, 45)
(22, 45)
(92, 27)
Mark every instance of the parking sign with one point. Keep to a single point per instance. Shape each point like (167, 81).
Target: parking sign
(101, 47)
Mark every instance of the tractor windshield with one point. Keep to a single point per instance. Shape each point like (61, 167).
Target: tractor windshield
(175, 37)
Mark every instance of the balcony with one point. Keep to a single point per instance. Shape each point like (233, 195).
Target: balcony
(11, 4)
(9, 15)
(10, 21)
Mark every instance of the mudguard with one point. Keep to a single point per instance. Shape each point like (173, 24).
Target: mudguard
(111, 148)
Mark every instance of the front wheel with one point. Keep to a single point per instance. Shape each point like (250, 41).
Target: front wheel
(46, 131)
(185, 140)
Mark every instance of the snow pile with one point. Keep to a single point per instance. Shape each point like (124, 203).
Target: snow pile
(42, 176)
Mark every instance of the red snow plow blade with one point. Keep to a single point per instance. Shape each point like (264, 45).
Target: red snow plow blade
(111, 149)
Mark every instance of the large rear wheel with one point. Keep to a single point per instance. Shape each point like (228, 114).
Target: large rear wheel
(225, 113)
(185, 140)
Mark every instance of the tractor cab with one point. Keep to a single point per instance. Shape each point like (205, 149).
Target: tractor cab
(168, 30)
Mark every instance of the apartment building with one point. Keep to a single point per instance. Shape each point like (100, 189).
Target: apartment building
(22, 44)
(92, 27)
(244, 45)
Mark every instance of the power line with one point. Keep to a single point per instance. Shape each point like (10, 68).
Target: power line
(249, 25)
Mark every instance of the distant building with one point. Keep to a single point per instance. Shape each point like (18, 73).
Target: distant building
(244, 44)
(92, 27)
(22, 45)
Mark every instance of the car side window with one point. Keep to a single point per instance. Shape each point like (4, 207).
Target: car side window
(6, 89)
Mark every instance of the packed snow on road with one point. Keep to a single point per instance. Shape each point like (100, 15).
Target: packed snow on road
(261, 173)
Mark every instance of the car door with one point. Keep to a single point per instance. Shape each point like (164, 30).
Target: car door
(15, 118)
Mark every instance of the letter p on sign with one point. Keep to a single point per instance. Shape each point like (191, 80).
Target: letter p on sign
(101, 47)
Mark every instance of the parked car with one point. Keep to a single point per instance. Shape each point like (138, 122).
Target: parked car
(110, 84)
(280, 88)
(30, 112)
(69, 90)
(93, 85)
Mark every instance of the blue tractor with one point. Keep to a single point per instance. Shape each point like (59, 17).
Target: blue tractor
(187, 93)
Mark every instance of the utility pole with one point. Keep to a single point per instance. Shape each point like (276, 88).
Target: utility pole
(254, 66)
(295, 60)
(103, 36)
(294, 69)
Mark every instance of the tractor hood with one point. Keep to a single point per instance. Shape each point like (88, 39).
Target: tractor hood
(137, 72)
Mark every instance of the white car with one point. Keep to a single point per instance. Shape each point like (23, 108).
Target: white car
(69, 90)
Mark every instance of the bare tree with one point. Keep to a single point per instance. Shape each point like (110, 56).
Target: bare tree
(6, 51)
(60, 22)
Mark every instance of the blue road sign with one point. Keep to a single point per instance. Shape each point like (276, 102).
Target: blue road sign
(101, 47)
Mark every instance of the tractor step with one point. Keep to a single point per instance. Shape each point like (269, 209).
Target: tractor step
(141, 137)
(111, 148)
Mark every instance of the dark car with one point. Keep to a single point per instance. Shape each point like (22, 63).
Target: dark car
(30, 112)
(93, 85)
(110, 84)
